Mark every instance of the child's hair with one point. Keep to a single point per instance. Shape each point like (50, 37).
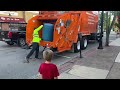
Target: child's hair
(47, 55)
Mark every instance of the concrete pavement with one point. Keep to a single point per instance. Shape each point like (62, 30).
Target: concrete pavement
(12, 66)
(95, 64)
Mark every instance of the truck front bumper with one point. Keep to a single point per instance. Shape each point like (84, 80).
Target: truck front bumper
(6, 40)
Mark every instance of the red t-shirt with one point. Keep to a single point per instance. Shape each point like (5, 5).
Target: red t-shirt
(48, 71)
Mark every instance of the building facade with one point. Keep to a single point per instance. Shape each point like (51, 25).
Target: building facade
(26, 15)
(13, 19)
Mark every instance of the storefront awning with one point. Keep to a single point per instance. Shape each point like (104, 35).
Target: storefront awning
(12, 20)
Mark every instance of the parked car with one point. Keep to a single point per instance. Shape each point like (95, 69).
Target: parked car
(14, 36)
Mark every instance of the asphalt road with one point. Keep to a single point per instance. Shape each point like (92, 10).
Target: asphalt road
(12, 66)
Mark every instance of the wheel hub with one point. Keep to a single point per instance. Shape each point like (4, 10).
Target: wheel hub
(78, 45)
(22, 42)
(85, 43)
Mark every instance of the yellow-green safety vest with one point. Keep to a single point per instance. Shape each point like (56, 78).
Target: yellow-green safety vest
(36, 37)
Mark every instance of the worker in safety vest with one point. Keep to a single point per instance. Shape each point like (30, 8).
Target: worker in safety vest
(35, 44)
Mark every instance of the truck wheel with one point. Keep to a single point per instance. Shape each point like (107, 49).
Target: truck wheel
(21, 42)
(10, 43)
(76, 46)
(85, 42)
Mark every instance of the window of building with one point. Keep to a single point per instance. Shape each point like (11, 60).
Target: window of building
(17, 26)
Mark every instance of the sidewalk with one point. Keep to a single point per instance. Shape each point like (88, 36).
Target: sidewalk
(95, 64)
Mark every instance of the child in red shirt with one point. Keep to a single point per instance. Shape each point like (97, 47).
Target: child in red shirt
(47, 69)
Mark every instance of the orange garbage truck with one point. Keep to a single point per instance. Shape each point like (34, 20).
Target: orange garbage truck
(61, 28)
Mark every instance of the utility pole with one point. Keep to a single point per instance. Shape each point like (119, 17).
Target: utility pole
(39, 12)
(24, 16)
(10, 21)
(101, 33)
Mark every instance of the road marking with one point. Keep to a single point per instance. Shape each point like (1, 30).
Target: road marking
(63, 56)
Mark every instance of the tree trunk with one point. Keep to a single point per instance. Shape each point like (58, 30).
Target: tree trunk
(107, 32)
(107, 38)
(113, 21)
(109, 27)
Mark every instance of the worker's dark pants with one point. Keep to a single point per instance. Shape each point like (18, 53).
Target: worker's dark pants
(35, 47)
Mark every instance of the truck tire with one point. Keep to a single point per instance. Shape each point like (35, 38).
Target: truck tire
(21, 42)
(10, 43)
(84, 44)
(76, 46)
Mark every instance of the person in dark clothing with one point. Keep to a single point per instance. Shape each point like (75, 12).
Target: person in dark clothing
(35, 44)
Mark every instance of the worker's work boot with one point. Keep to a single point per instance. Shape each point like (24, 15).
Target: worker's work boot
(26, 60)
(37, 58)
